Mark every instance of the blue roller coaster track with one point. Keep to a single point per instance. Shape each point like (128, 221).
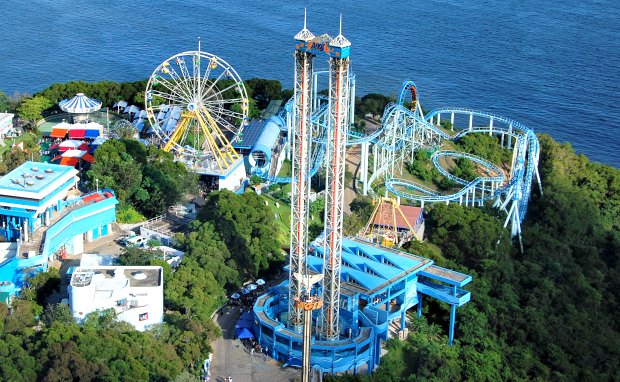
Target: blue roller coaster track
(404, 130)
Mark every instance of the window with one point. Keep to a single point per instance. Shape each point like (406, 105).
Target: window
(143, 316)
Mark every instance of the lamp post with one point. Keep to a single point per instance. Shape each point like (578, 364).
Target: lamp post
(97, 181)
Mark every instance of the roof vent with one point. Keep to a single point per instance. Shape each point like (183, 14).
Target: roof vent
(139, 276)
(35, 169)
(49, 170)
(40, 177)
(30, 183)
(27, 175)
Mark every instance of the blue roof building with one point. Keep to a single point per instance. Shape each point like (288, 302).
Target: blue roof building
(378, 286)
(42, 212)
(259, 140)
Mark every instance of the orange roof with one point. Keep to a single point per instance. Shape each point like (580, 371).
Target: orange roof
(384, 216)
(89, 158)
(69, 161)
(58, 133)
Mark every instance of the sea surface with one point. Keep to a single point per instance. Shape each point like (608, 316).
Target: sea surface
(552, 65)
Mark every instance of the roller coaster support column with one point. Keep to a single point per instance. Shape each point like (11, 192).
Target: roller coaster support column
(334, 180)
(452, 121)
(315, 96)
(364, 167)
(352, 99)
(471, 121)
(300, 174)
(452, 322)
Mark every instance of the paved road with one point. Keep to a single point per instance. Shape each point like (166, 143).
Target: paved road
(231, 358)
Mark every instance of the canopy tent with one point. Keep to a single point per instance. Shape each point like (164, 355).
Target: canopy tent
(120, 104)
(93, 126)
(58, 132)
(260, 282)
(251, 287)
(92, 133)
(70, 144)
(246, 316)
(84, 146)
(235, 296)
(80, 104)
(88, 158)
(62, 125)
(77, 133)
(244, 333)
(74, 153)
(68, 161)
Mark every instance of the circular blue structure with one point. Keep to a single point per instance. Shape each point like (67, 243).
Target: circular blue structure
(378, 286)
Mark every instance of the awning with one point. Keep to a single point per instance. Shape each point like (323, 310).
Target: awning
(244, 333)
(57, 157)
(77, 133)
(70, 144)
(74, 153)
(91, 134)
(88, 158)
(68, 161)
(58, 133)
(54, 146)
(84, 146)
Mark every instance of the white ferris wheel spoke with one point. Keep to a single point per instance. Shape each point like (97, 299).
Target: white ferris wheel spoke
(174, 89)
(180, 84)
(221, 92)
(178, 101)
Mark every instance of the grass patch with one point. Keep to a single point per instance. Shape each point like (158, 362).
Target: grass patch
(282, 213)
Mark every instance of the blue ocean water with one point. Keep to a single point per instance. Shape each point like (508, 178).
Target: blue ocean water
(552, 65)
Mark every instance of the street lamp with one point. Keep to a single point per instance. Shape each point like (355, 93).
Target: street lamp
(97, 181)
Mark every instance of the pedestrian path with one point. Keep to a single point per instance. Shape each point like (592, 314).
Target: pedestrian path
(230, 357)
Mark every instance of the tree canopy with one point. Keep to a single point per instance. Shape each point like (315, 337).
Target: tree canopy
(247, 227)
(147, 179)
(31, 109)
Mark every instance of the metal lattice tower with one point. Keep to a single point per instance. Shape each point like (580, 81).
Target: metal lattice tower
(300, 192)
(334, 191)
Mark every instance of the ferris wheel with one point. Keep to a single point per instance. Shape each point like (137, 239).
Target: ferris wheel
(198, 106)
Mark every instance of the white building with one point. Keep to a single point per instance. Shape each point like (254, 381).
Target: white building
(136, 294)
(6, 124)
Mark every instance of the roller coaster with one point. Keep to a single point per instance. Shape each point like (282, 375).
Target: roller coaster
(405, 129)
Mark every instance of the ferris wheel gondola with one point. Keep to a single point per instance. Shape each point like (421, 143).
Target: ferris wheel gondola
(198, 106)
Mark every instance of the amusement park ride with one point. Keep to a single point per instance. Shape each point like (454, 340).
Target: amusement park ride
(343, 295)
(198, 106)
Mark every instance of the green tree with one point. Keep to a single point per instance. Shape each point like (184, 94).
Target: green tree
(5, 103)
(247, 227)
(31, 109)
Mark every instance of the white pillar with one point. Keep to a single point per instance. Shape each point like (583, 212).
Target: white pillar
(452, 120)
(351, 101)
(25, 228)
(471, 121)
(491, 126)
(438, 119)
(375, 158)
(365, 150)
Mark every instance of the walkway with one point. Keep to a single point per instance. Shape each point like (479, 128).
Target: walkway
(230, 357)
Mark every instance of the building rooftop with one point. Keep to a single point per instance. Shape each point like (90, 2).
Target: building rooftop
(35, 180)
(367, 267)
(386, 214)
(112, 278)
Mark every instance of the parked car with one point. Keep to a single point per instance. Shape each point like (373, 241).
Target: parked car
(136, 241)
